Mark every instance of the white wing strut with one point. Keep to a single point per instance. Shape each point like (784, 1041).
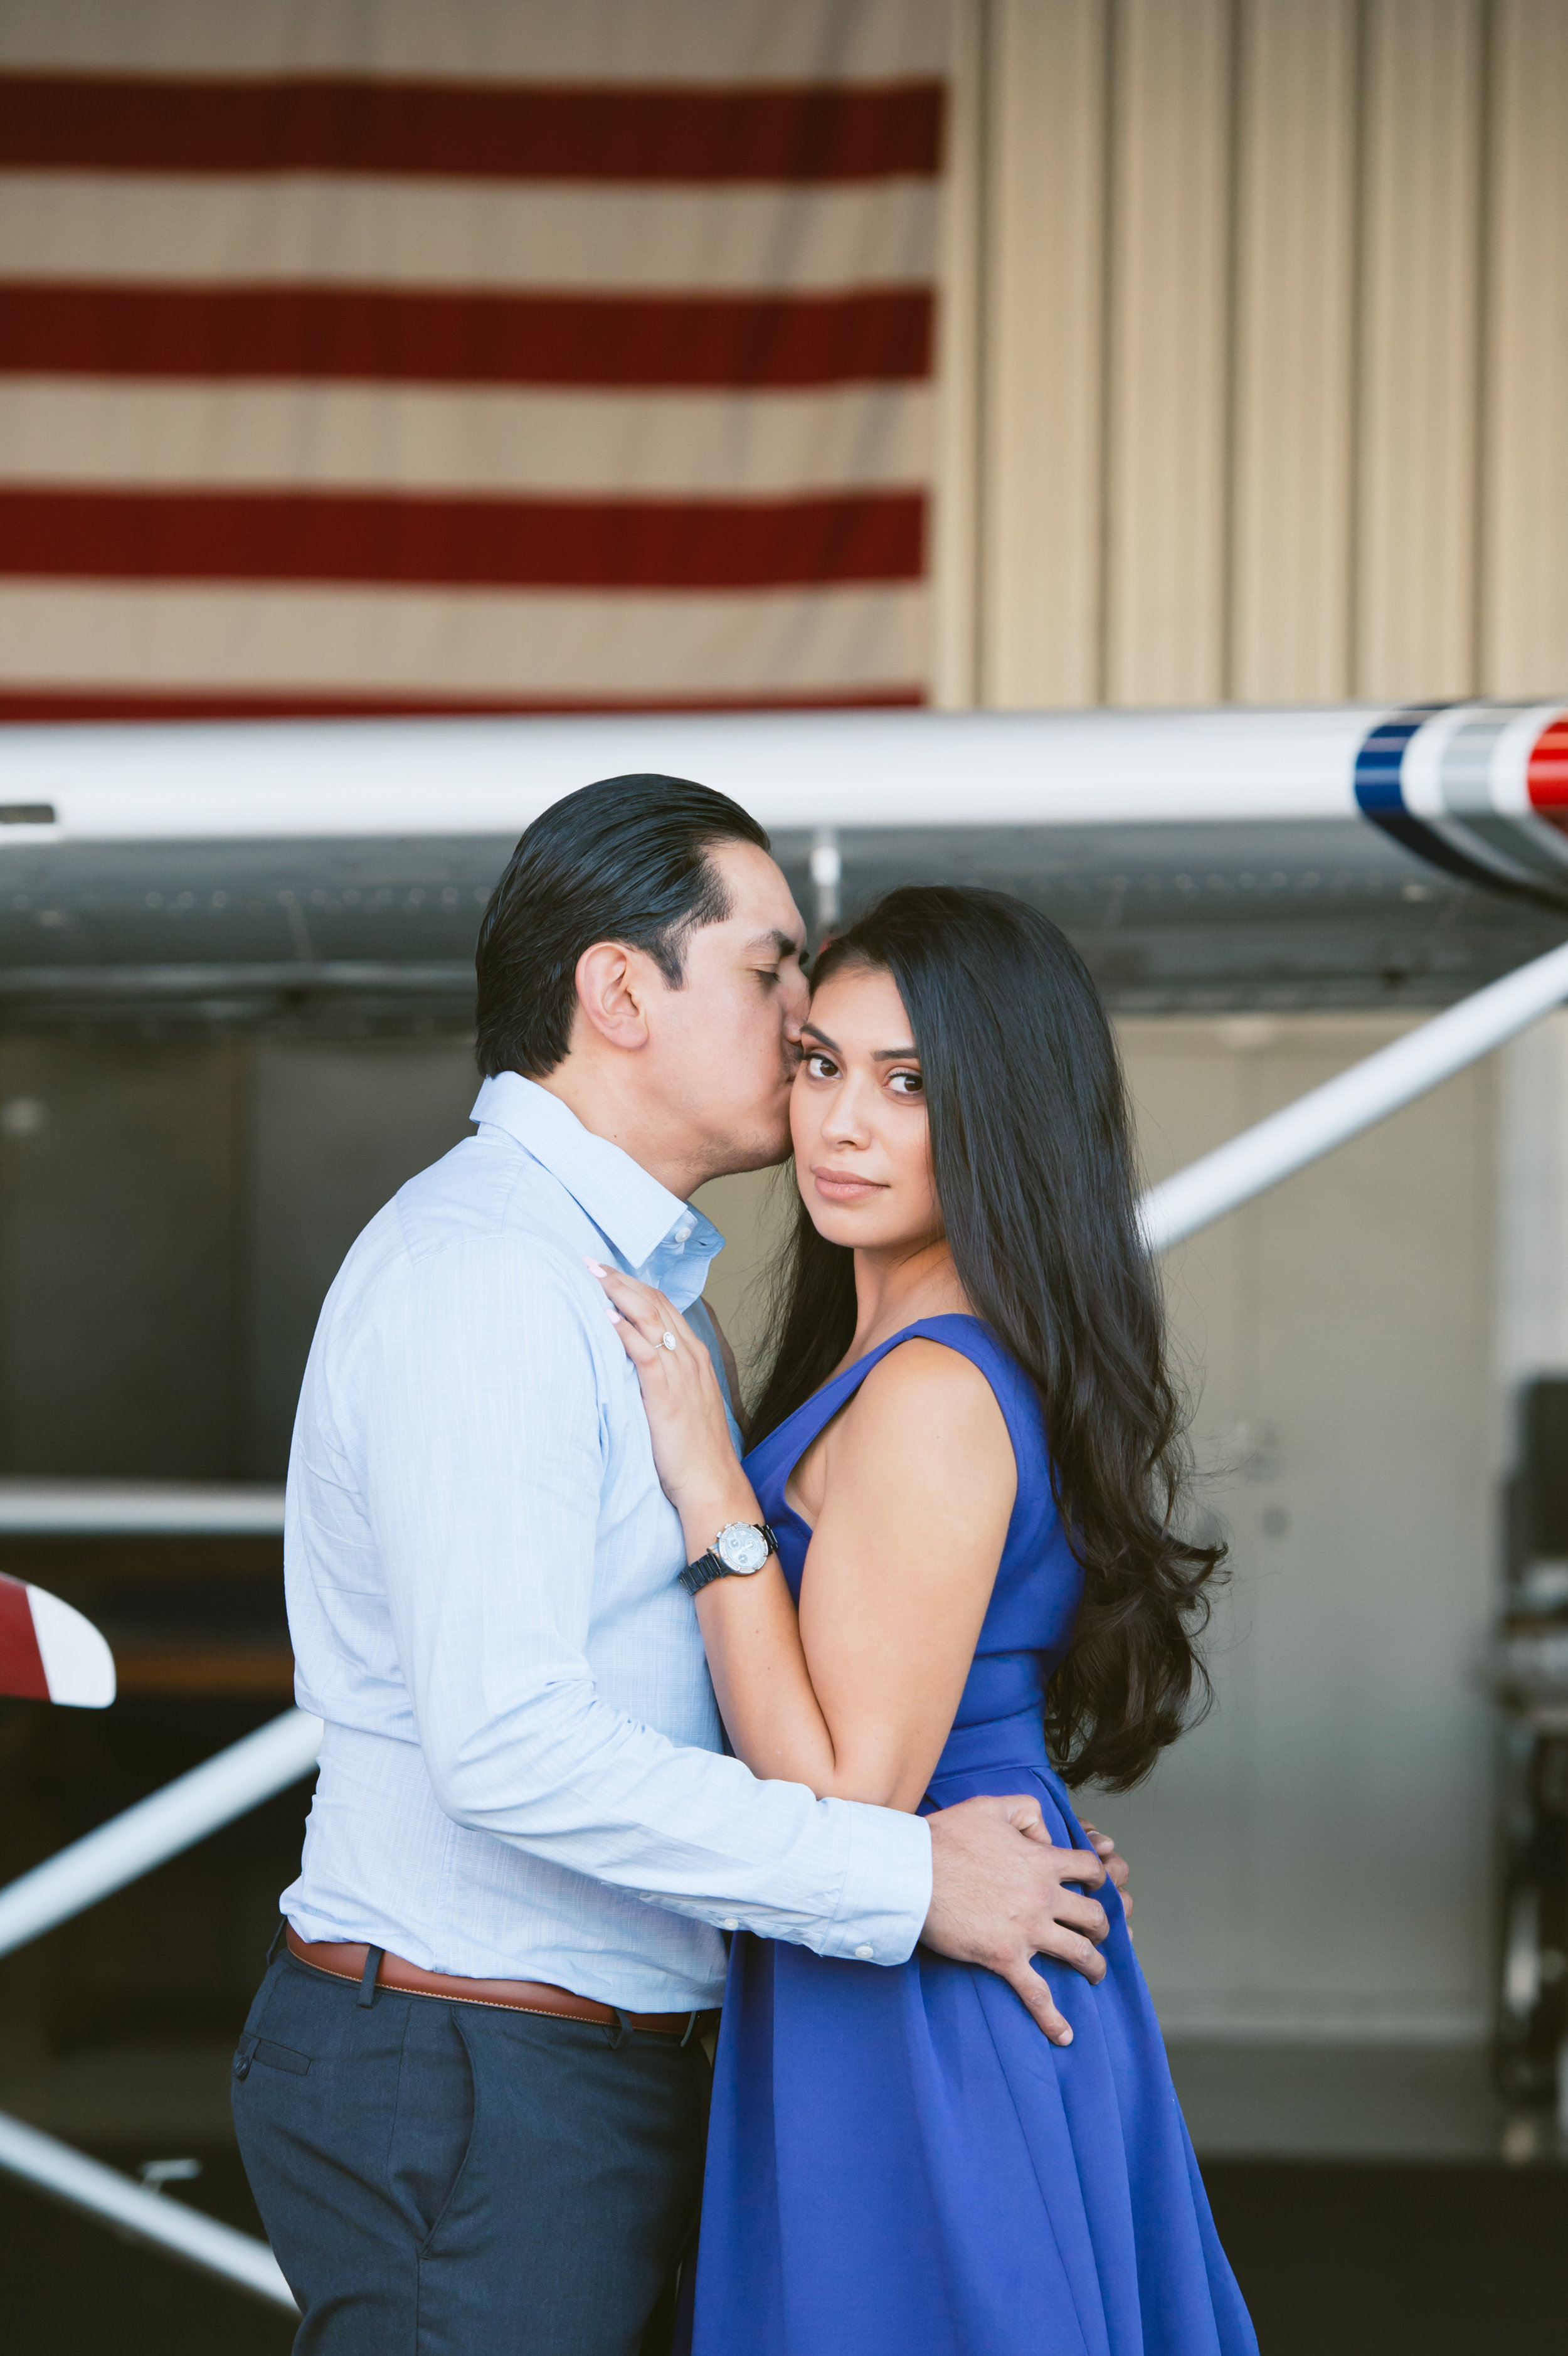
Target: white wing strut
(130, 1508)
(156, 1828)
(201, 2242)
(1353, 1101)
(159, 1827)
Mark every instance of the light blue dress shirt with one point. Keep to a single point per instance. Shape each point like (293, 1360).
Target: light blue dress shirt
(521, 1772)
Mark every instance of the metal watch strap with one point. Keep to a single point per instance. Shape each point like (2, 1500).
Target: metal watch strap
(709, 1567)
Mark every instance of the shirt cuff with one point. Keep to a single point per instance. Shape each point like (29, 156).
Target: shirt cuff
(886, 1894)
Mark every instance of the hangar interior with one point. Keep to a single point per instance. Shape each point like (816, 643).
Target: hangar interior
(178, 1184)
(1251, 389)
(187, 1146)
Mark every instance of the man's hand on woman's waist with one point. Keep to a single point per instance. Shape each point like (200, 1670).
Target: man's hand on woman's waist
(1002, 1892)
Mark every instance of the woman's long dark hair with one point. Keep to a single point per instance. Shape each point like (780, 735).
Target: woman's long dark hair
(1032, 1160)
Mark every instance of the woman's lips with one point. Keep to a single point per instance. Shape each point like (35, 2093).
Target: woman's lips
(841, 1186)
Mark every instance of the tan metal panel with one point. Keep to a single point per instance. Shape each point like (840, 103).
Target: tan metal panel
(1295, 283)
(1524, 635)
(1044, 391)
(1420, 326)
(1168, 427)
(1302, 473)
(1344, 1409)
(961, 360)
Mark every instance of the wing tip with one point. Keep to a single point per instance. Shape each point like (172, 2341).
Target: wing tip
(77, 1664)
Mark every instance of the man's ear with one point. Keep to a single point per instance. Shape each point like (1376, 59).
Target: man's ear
(612, 985)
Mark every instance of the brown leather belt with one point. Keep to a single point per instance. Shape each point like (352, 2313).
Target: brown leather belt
(347, 1961)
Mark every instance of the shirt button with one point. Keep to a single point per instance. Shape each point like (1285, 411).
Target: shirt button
(730, 1923)
(865, 1954)
(681, 1234)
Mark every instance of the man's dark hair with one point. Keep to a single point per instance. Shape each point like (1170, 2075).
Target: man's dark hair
(625, 859)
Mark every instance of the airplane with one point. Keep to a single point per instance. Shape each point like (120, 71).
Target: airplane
(1202, 860)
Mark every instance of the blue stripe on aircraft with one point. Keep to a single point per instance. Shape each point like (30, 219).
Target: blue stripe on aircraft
(1380, 797)
(1381, 760)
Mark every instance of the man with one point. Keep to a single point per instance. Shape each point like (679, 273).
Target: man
(472, 2092)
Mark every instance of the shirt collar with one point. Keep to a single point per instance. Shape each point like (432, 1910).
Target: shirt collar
(649, 1228)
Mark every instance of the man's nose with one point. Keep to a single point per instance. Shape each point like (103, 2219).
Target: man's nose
(797, 1006)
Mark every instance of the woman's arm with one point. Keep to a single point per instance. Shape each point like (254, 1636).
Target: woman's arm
(856, 1697)
(917, 1483)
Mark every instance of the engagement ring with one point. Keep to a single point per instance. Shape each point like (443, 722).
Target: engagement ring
(668, 1340)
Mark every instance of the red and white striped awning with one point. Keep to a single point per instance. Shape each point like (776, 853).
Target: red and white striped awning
(407, 357)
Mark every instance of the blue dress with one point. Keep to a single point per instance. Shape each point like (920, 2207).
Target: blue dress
(899, 2163)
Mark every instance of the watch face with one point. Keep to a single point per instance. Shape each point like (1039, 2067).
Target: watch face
(742, 1547)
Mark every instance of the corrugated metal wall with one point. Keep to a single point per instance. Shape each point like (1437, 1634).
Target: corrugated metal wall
(1256, 351)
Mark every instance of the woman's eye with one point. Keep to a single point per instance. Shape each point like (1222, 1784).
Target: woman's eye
(820, 1067)
(906, 1084)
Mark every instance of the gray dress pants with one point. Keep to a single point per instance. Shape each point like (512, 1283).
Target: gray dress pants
(440, 2179)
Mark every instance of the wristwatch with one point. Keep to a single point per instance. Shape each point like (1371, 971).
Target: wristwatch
(739, 1548)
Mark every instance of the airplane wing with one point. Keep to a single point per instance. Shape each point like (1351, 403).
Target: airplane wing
(1202, 859)
(48, 1651)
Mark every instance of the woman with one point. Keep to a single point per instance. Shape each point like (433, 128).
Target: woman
(900, 2160)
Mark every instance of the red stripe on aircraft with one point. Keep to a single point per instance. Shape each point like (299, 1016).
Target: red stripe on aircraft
(365, 334)
(812, 132)
(21, 1662)
(1546, 776)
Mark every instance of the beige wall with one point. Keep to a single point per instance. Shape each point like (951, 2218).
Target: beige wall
(1316, 1859)
(1532, 1208)
(1256, 352)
